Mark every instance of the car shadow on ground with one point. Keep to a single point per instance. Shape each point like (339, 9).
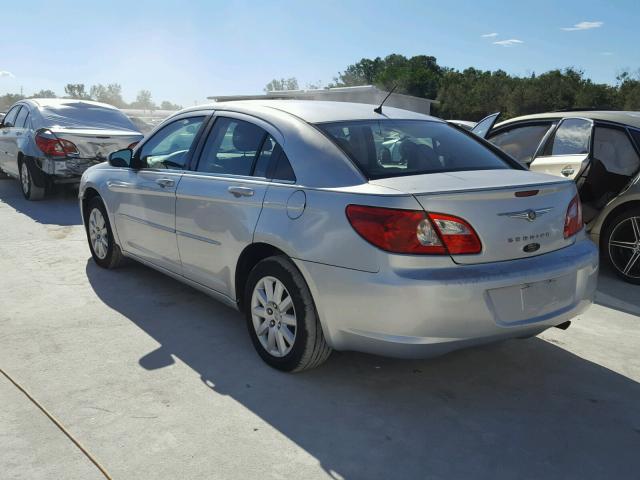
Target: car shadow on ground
(518, 409)
(617, 294)
(57, 208)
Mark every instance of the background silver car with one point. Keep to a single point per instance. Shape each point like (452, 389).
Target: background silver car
(292, 212)
(600, 151)
(53, 141)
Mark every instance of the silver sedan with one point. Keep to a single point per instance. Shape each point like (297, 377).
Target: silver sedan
(298, 214)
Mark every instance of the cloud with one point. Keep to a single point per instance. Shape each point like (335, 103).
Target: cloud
(508, 43)
(583, 26)
(4, 73)
(606, 54)
(489, 35)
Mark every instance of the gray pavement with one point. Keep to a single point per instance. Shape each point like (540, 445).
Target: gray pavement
(159, 381)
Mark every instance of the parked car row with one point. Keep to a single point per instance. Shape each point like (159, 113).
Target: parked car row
(600, 151)
(337, 226)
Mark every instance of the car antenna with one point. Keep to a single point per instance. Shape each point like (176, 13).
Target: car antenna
(379, 108)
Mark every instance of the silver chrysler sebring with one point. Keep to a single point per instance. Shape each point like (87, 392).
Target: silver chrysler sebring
(340, 226)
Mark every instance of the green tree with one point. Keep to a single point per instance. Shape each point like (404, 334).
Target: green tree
(111, 94)
(9, 99)
(166, 105)
(44, 94)
(76, 90)
(276, 85)
(144, 101)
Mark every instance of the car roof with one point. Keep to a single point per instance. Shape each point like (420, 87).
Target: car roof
(627, 118)
(315, 111)
(56, 102)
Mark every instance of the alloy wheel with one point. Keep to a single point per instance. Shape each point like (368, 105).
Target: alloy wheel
(624, 247)
(24, 178)
(98, 233)
(273, 316)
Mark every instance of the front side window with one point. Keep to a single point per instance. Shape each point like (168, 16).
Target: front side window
(21, 118)
(571, 138)
(521, 142)
(613, 148)
(232, 147)
(169, 147)
(391, 148)
(10, 119)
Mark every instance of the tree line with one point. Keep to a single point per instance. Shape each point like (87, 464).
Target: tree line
(471, 94)
(110, 94)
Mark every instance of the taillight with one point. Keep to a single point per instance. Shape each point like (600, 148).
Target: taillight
(54, 146)
(413, 231)
(573, 220)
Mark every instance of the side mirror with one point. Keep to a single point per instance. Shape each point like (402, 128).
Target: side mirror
(121, 158)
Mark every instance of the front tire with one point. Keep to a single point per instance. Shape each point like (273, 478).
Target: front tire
(621, 245)
(103, 248)
(29, 189)
(281, 317)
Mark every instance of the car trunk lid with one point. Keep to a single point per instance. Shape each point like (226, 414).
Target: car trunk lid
(97, 144)
(515, 213)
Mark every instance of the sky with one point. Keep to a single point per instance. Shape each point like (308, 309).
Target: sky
(186, 50)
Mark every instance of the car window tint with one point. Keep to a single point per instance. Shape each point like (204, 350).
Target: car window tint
(21, 118)
(521, 142)
(281, 167)
(265, 157)
(10, 119)
(231, 148)
(78, 114)
(613, 148)
(169, 147)
(571, 138)
(391, 148)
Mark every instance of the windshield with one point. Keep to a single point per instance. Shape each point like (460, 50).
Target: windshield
(392, 148)
(86, 115)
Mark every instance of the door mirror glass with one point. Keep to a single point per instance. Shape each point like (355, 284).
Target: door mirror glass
(121, 158)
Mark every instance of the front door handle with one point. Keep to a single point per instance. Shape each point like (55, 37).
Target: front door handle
(165, 182)
(241, 191)
(567, 171)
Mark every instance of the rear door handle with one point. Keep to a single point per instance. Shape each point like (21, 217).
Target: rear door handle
(567, 171)
(165, 182)
(241, 191)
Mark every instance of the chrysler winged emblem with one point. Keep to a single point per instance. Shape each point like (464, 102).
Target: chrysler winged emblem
(529, 215)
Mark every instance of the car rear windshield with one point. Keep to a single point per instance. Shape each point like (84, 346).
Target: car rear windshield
(85, 115)
(392, 148)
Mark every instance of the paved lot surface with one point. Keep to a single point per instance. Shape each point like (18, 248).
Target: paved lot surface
(160, 381)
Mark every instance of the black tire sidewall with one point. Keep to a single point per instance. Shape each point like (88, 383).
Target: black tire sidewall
(632, 212)
(27, 195)
(280, 268)
(96, 203)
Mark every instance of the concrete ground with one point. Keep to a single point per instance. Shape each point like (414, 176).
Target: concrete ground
(159, 381)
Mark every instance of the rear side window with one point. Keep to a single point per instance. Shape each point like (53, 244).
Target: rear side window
(613, 148)
(10, 119)
(21, 118)
(571, 138)
(391, 148)
(521, 142)
(232, 147)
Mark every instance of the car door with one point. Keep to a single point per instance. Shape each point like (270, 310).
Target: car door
(8, 148)
(566, 152)
(219, 202)
(521, 140)
(146, 194)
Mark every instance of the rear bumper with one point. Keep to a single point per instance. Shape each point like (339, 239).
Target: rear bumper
(426, 312)
(68, 168)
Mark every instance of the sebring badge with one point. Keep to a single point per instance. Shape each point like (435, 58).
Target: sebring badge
(529, 215)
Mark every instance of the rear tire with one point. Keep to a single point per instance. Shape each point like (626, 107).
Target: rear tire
(621, 245)
(281, 317)
(29, 189)
(103, 248)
